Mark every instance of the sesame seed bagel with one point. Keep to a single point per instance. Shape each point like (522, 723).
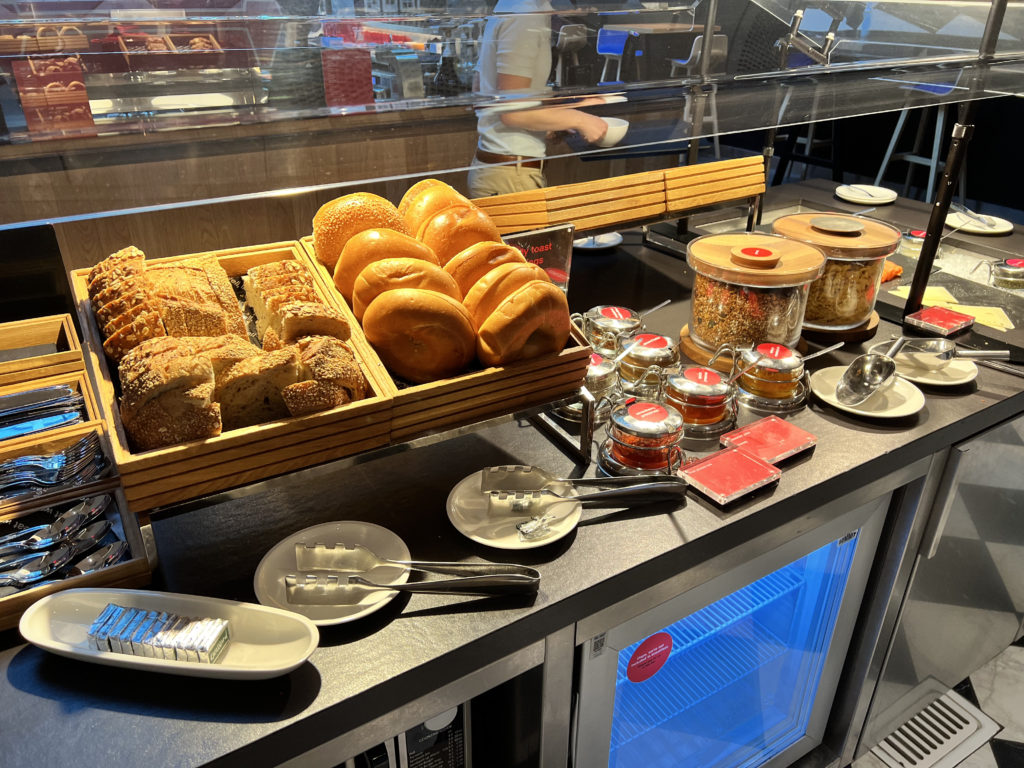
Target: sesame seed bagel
(339, 220)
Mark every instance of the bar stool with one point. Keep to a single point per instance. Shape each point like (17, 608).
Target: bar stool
(691, 67)
(611, 44)
(914, 157)
(571, 38)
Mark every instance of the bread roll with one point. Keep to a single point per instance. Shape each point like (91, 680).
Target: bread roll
(389, 274)
(413, 192)
(455, 229)
(340, 219)
(420, 335)
(469, 265)
(502, 281)
(429, 201)
(374, 245)
(533, 321)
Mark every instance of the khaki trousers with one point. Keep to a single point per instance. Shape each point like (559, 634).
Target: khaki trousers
(486, 180)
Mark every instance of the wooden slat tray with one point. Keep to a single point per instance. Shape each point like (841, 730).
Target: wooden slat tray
(696, 186)
(173, 474)
(477, 395)
(133, 571)
(36, 348)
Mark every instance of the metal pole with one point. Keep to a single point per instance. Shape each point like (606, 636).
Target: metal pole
(962, 132)
(697, 92)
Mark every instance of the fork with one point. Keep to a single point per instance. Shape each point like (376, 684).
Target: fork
(48, 476)
(29, 486)
(56, 462)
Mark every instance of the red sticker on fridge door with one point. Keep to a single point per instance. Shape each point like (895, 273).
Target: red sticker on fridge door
(649, 657)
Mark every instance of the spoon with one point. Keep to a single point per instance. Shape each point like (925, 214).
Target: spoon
(89, 536)
(39, 568)
(62, 528)
(936, 354)
(868, 374)
(824, 351)
(102, 558)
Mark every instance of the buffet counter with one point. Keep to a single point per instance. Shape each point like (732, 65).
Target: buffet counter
(422, 654)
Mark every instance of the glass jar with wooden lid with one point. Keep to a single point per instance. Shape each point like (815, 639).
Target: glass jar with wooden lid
(772, 377)
(703, 396)
(643, 435)
(606, 325)
(644, 360)
(749, 288)
(855, 249)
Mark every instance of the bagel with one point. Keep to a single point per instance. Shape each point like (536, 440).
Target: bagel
(456, 228)
(389, 274)
(502, 281)
(413, 192)
(420, 335)
(532, 321)
(337, 221)
(428, 201)
(470, 264)
(372, 245)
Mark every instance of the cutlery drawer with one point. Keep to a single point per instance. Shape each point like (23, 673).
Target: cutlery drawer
(38, 348)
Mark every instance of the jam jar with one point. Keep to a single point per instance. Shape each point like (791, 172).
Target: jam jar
(644, 360)
(643, 436)
(604, 326)
(1009, 273)
(771, 378)
(855, 249)
(602, 382)
(749, 288)
(703, 396)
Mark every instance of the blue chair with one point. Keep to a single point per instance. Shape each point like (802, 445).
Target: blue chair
(611, 44)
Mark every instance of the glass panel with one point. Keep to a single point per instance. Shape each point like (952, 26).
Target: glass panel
(734, 683)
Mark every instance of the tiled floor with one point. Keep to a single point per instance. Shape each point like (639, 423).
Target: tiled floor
(998, 690)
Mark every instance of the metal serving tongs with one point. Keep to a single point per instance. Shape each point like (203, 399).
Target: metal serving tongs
(340, 558)
(520, 477)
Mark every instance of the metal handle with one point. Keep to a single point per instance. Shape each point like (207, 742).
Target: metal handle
(646, 492)
(983, 354)
(896, 346)
(624, 481)
(468, 569)
(486, 585)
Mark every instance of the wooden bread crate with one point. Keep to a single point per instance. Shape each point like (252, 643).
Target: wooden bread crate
(37, 348)
(134, 570)
(476, 395)
(237, 457)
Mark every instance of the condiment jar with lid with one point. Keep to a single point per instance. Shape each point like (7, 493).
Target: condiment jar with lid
(643, 438)
(704, 398)
(771, 378)
(749, 288)
(855, 249)
(602, 382)
(644, 360)
(1008, 273)
(604, 326)
(911, 242)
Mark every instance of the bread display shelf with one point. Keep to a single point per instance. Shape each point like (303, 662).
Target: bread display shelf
(133, 571)
(37, 348)
(475, 396)
(237, 457)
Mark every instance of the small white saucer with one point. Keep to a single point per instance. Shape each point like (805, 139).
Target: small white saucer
(598, 242)
(901, 399)
(468, 511)
(865, 194)
(954, 373)
(996, 225)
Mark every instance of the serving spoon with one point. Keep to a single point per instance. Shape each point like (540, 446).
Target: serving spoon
(868, 374)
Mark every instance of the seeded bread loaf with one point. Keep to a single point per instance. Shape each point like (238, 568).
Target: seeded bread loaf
(249, 392)
(330, 377)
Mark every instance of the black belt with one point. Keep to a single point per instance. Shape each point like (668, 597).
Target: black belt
(519, 160)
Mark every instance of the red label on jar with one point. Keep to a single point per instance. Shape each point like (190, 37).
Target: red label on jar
(616, 313)
(702, 375)
(647, 412)
(651, 341)
(596, 359)
(918, 232)
(774, 351)
(757, 253)
(649, 657)
(1015, 262)
(557, 275)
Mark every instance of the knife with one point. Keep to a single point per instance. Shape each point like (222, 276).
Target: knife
(18, 402)
(39, 424)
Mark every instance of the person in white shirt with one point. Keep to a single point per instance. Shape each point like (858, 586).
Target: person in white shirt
(515, 59)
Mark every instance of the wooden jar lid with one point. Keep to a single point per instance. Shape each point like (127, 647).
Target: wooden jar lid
(750, 258)
(840, 235)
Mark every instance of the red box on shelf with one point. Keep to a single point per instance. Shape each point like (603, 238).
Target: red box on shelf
(348, 79)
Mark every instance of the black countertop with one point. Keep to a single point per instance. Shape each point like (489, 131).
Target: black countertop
(57, 710)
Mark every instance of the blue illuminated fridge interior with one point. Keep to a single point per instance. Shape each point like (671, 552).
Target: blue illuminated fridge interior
(733, 683)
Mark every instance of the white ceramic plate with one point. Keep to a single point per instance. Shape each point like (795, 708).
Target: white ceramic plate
(598, 242)
(468, 511)
(901, 399)
(996, 225)
(865, 194)
(280, 561)
(265, 642)
(955, 372)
